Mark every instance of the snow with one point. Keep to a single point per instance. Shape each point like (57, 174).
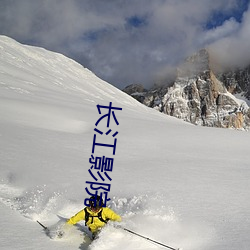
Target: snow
(242, 99)
(182, 185)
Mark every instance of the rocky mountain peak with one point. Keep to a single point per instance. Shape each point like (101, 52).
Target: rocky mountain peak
(196, 64)
(200, 96)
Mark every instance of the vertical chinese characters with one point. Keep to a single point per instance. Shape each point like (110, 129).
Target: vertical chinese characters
(102, 166)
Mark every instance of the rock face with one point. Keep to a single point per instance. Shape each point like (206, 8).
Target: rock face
(237, 81)
(201, 97)
(137, 91)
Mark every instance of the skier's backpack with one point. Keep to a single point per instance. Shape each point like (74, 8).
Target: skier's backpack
(99, 216)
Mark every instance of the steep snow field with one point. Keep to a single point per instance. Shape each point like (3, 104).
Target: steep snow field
(179, 184)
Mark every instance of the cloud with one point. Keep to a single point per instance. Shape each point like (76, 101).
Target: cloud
(129, 41)
(233, 49)
(228, 28)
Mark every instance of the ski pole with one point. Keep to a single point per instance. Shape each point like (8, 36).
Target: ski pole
(149, 239)
(45, 228)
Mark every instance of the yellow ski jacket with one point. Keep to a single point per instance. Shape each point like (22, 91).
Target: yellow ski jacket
(94, 223)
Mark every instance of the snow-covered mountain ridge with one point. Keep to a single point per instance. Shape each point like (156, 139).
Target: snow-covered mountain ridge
(32, 63)
(35, 74)
(201, 96)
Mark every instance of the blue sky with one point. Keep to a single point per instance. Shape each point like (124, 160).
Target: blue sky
(131, 41)
(218, 17)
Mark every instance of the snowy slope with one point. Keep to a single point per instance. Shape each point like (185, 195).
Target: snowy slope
(182, 185)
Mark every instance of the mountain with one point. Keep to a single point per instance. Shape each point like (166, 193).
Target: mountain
(182, 185)
(237, 81)
(202, 97)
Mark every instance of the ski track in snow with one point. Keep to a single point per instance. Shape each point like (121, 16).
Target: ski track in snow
(143, 214)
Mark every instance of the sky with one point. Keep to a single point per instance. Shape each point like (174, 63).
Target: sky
(132, 41)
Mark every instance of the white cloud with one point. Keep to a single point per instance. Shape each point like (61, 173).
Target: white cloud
(97, 32)
(233, 50)
(228, 28)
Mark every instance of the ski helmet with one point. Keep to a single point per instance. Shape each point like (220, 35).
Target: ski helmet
(96, 201)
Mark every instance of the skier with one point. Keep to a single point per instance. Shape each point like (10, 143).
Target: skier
(95, 216)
